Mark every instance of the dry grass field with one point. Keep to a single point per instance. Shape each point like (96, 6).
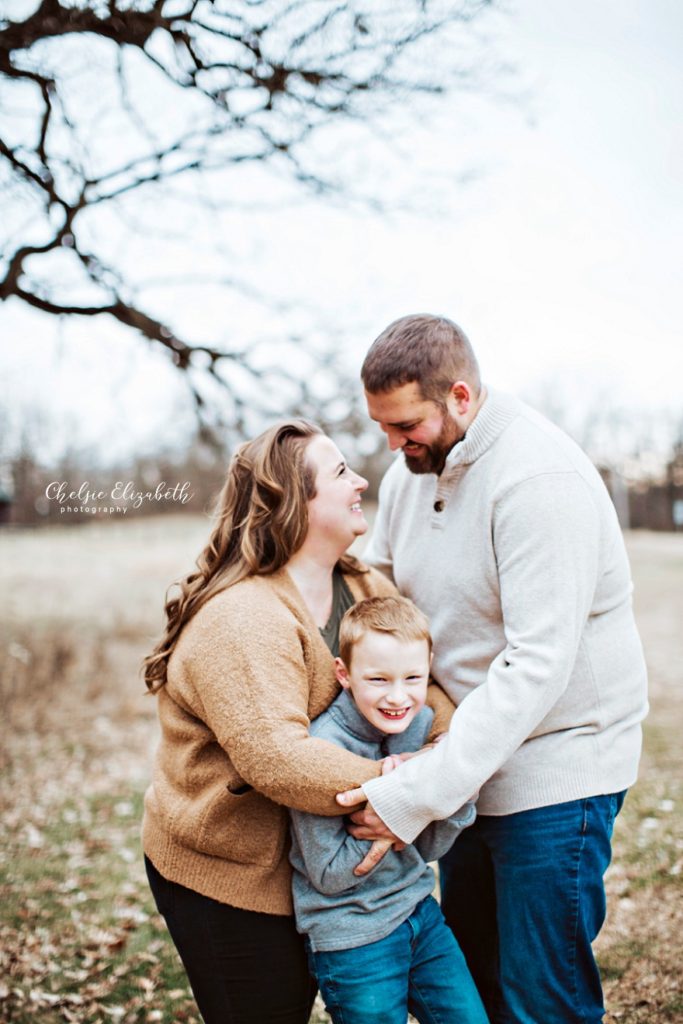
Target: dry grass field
(79, 939)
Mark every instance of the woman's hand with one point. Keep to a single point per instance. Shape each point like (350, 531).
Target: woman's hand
(396, 760)
(357, 796)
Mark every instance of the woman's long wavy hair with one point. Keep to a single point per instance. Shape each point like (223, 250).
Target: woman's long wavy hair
(262, 520)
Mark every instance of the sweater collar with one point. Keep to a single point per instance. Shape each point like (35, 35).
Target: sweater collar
(344, 710)
(496, 413)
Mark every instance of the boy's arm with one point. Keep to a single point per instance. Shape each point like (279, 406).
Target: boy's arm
(329, 852)
(437, 838)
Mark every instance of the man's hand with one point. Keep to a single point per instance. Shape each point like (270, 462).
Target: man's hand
(367, 824)
(373, 856)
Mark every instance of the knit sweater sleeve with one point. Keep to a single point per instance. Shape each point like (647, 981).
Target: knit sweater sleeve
(546, 538)
(250, 674)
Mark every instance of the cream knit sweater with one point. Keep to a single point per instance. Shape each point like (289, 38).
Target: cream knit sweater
(249, 673)
(516, 555)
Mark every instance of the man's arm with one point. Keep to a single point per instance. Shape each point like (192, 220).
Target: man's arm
(432, 843)
(546, 540)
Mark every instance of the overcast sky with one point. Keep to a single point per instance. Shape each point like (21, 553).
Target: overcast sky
(561, 260)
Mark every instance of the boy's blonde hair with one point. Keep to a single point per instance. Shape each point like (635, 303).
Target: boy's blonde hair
(397, 616)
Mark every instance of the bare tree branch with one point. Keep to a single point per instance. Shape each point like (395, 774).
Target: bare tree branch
(240, 83)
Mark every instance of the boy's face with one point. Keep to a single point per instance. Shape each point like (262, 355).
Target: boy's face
(387, 678)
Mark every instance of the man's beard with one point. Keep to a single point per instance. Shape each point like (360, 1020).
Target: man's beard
(433, 459)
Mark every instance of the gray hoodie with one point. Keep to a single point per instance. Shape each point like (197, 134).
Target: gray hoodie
(334, 907)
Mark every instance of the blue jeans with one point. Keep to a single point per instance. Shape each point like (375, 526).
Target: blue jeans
(418, 967)
(525, 898)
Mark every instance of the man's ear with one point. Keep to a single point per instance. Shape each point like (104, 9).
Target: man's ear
(341, 673)
(459, 397)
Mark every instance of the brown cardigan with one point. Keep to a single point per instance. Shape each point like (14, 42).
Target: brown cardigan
(249, 672)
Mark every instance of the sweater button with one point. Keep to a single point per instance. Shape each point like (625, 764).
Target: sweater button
(439, 505)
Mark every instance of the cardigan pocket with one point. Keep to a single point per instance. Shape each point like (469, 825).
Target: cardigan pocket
(246, 828)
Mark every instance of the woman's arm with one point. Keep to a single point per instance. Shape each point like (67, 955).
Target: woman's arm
(246, 674)
(443, 708)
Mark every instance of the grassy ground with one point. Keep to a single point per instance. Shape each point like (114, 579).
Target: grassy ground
(79, 939)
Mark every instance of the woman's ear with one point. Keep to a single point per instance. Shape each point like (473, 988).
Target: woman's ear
(341, 673)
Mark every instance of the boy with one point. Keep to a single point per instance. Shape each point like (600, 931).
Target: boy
(378, 944)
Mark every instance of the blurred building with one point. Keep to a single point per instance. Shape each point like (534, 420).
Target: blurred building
(6, 494)
(652, 501)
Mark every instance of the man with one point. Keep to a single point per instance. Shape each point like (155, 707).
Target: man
(499, 528)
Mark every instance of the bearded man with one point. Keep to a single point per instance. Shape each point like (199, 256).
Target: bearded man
(497, 525)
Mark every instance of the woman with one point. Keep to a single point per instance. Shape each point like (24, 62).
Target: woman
(245, 663)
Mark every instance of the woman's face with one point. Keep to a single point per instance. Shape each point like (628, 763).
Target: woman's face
(334, 514)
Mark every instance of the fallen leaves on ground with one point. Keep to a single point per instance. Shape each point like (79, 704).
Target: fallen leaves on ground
(79, 936)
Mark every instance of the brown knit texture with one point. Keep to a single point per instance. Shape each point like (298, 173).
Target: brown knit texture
(248, 674)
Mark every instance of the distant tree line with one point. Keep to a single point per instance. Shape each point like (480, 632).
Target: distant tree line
(647, 494)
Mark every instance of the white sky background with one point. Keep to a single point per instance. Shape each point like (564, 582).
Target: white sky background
(562, 259)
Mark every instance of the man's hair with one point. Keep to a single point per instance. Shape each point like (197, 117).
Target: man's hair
(431, 350)
(394, 615)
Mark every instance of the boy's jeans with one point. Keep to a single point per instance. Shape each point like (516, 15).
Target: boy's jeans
(524, 895)
(418, 967)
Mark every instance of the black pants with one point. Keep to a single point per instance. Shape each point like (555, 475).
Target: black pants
(244, 967)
